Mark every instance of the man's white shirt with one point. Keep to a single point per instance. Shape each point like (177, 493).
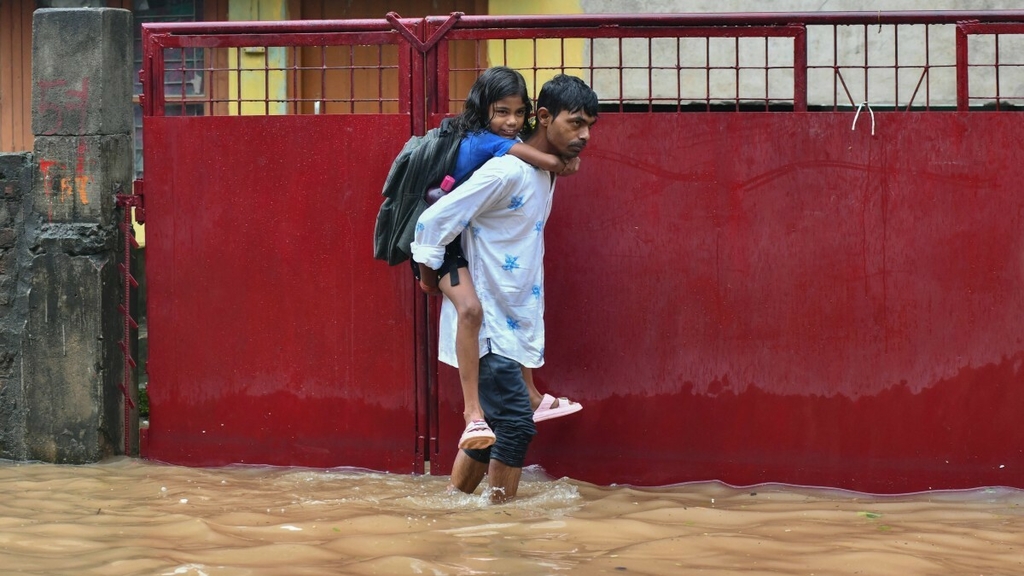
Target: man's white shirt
(501, 210)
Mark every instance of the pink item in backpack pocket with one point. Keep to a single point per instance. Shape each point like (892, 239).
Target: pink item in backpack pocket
(435, 194)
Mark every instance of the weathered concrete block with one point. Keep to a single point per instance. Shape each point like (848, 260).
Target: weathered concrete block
(78, 175)
(71, 376)
(81, 72)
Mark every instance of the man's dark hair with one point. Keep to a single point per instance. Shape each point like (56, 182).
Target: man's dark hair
(493, 84)
(564, 92)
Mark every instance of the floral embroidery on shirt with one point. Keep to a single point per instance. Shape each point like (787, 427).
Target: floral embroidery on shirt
(513, 324)
(536, 291)
(539, 226)
(511, 263)
(516, 202)
(420, 227)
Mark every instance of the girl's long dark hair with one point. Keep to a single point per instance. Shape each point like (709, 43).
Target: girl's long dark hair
(492, 85)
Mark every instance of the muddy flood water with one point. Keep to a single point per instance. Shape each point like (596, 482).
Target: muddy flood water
(128, 516)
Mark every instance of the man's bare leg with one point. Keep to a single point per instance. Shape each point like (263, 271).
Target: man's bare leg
(466, 473)
(503, 480)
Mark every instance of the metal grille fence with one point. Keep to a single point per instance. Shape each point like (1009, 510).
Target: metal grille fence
(663, 63)
(308, 67)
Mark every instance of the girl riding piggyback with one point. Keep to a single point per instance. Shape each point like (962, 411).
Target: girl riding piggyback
(490, 124)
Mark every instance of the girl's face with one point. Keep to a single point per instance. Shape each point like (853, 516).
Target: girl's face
(507, 116)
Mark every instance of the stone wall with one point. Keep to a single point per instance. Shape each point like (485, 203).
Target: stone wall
(15, 190)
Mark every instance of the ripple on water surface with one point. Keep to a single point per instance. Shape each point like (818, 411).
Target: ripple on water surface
(128, 517)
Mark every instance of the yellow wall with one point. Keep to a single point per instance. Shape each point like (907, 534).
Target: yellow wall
(519, 54)
(256, 84)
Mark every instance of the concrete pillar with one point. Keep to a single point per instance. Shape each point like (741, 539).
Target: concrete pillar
(82, 121)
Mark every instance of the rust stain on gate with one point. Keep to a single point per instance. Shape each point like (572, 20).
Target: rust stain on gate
(792, 253)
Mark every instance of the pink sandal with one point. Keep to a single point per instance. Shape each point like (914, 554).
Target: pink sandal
(564, 408)
(477, 436)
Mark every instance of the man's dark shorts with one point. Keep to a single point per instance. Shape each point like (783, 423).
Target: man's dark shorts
(506, 404)
(454, 258)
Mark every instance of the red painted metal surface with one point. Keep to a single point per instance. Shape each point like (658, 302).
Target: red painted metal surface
(755, 297)
(275, 337)
(776, 298)
(128, 203)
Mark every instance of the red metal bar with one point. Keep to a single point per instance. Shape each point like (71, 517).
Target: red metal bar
(145, 74)
(238, 81)
(272, 27)
(736, 72)
(295, 80)
(126, 202)
(963, 101)
(625, 21)
(252, 40)
(836, 77)
(426, 436)
(614, 21)
(351, 79)
(404, 82)
(266, 80)
(155, 58)
(896, 64)
(975, 26)
(927, 64)
(866, 66)
(996, 66)
(439, 76)
(707, 74)
(323, 79)
(913, 95)
(659, 32)
(800, 71)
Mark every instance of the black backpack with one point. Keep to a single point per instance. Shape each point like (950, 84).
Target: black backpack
(423, 162)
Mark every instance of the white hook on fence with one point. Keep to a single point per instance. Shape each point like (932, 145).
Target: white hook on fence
(857, 115)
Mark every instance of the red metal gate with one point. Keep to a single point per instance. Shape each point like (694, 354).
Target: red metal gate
(779, 263)
(275, 338)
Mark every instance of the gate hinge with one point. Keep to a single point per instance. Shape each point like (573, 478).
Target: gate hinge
(133, 200)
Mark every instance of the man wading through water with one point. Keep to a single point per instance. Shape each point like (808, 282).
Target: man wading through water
(501, 211)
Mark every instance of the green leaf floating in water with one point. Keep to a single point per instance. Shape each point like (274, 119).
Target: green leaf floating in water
(869, 514)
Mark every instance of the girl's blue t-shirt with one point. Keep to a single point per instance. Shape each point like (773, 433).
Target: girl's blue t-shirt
(479, 147)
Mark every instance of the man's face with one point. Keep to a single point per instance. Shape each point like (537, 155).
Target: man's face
(569, 132)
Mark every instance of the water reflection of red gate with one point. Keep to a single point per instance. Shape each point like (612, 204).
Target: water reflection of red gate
(786, 258)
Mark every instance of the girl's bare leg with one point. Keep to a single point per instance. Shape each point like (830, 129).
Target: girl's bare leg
(467, 345)
(535, 395)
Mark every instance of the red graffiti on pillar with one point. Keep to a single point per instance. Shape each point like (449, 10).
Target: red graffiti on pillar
(81, 178)
(44, 167)
(45, 105)
(74, 101)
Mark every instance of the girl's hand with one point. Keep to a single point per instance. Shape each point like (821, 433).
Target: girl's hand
(428, 280)
(571, 167)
